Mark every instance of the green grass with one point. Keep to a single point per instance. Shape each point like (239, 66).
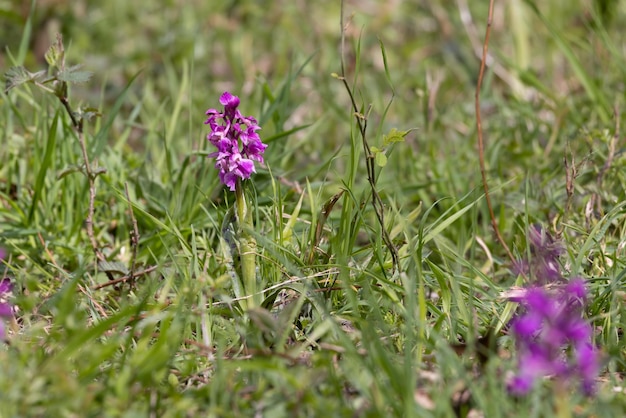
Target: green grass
(340, 333)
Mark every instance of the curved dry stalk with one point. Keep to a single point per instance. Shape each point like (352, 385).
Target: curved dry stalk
(134, 237)
(361, 120)
(479, 129)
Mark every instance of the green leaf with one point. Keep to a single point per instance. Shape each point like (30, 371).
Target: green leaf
(113, 267)
(55, 55)
(386, 65)
(73, 75)
(379, 156)
(284, 133)
(394, 136)
(380, 159)
(17, 76)
(45, 164)
(89, 113)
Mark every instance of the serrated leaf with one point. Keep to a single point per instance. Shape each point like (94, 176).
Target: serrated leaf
(113, 267)
(17, 76)
(73, 75)
(380, 159)
(394, 135)
(55, 55)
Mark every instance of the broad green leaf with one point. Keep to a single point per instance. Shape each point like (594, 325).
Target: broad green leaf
(381, 159)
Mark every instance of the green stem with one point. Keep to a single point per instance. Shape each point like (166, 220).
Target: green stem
(247, 247)
(563, 407)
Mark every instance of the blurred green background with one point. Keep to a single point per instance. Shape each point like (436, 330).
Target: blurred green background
(551, 106)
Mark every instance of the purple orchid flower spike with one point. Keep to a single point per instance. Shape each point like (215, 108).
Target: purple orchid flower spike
(552, 335)
(236, 139)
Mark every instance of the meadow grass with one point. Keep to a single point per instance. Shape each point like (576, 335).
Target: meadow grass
(157, 326)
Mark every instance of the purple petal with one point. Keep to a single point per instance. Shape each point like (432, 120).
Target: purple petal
(229, 99)
(536, 362)
(554, 338)
(255, 150)
(527, 325)
(521, 385)
(588, 361)
(250, 121)
(229, 180)
(5, 286)
(533, 364)
(538, 300)
(578, 330)
(5, 310)
(576, 288)
(244, 167)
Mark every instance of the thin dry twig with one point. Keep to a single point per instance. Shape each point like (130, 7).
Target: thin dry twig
(571, 172)
(596, 199)
(479, 128)
(361, 120)
(94, 302)
(292, 280)
(126, 278)
(91, 178)
(134, 237)
(77, 123)
(433, 83)
(92, 192)
(498, 69)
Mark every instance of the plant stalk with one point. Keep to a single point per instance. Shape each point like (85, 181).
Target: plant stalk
(247, 247)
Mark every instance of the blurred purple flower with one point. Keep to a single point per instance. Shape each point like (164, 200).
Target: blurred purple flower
(236, 139)
(552, 336)
(544, 266)
(6, 310)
